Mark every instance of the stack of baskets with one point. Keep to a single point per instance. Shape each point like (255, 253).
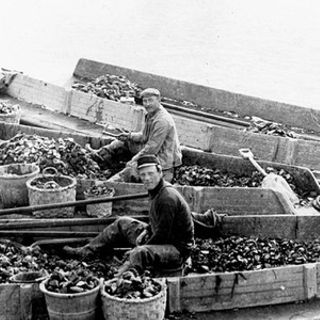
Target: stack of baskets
(52, 188)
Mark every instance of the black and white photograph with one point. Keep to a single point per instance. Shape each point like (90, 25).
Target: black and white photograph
(160, 160)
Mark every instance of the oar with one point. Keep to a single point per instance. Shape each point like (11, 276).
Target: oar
(61, 222)
(271, 180)
(28, 209)
(48, 233)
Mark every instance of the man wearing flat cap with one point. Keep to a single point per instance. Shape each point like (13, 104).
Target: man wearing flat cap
(158, 137)
(163, 243)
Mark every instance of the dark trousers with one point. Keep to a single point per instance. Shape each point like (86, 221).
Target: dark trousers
(125, 230)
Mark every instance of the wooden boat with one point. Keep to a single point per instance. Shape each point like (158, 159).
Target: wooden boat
(224, 140)
(47, 105)
(247, 217)
(231, 200)
(207, 97)
(223, 290)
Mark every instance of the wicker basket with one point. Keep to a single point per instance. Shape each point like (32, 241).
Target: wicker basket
(134, 309)
(13, 178)
(99, 210)
(65, 192)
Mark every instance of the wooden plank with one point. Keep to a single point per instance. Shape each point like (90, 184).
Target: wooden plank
(26, 296)
(267, 226)
(243, 300)
(243, 201)
(92, 108)
(230, 290)
(318, 278)
(306, 153)
(310, 280)
(293, 115)
(193, 133)
(248, 278)
(174, 299)
(38, 92)
(307, 227)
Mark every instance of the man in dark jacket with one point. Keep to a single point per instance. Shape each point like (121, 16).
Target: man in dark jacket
(165, 242)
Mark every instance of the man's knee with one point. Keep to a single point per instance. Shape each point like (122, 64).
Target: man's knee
(139, 253)
(123, 220)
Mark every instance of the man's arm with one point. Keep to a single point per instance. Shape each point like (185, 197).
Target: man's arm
(156, 139)
(136, 136)
(165, 212)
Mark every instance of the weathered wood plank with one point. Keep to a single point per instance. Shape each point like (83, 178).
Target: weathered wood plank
(230, 290)
(243, 300)
(92, 108)
(242, 201)
(308, 227)
(38, 92)
(277, 226)
(310, 280)
(174, 299)
(248, 278)
(26, 295)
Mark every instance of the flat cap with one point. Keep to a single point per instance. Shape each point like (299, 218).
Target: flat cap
(147, 160)
(150, 92)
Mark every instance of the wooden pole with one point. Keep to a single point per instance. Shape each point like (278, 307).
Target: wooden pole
(54, 234)
(52, 223)
(25, 210)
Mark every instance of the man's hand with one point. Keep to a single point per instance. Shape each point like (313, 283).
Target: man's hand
(142, 238)
(94, 153)
(123, 136)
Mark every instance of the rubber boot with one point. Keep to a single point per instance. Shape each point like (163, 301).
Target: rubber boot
(80, 252)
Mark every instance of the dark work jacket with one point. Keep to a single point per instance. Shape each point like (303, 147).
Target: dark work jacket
(170, 218)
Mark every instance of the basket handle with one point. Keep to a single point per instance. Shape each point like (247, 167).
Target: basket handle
(46, 185)
(44, 171)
